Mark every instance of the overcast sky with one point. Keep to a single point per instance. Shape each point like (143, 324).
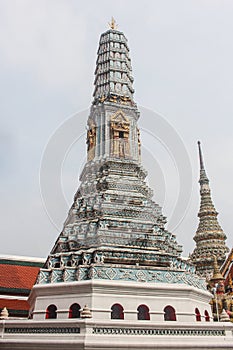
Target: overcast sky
(182, 56)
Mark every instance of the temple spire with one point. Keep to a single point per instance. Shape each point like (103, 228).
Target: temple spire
(209, 237)
(113, 74)
(217, 276)
(113, 221)
(203, 177)
(200, 156)
(112, 123)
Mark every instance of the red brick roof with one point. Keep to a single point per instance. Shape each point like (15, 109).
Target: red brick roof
(16, 276)
(14, 304)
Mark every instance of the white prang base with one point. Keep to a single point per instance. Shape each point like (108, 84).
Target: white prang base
(100, 295)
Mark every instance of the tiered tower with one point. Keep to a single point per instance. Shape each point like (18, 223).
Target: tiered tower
(113, 221)
(209, 237)
(114, 233)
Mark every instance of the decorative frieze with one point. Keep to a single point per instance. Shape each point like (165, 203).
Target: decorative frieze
(123, 273)
(158, 332)
(42, 330)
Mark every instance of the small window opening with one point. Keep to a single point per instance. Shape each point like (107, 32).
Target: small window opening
(74, 311)
(117, 312)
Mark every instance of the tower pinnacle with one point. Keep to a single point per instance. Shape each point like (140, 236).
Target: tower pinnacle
(203, 177)
(113, 73)
(209, 237)
(200, 156)
(113, 24)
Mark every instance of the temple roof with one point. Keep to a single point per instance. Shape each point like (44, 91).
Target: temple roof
(14, 304)
(17, 278)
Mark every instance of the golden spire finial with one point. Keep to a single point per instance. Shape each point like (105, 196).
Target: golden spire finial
(113, 24)
(217, 276)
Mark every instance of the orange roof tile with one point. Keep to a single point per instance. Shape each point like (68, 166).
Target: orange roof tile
(14, 304)
(16, 276)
